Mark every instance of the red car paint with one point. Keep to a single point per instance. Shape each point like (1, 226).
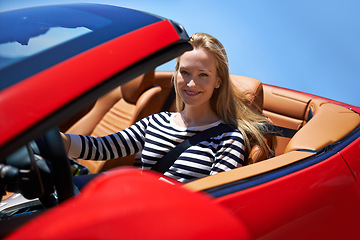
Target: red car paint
(351, 156)
(145, 209)
(318, 202)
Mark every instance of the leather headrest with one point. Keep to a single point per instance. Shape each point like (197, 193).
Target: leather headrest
(252, 89)
(164, 79)
(132, 90)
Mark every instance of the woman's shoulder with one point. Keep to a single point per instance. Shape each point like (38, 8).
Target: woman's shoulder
(159, 119)
(161, 115)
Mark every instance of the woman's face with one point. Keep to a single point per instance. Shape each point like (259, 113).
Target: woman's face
(197, 77)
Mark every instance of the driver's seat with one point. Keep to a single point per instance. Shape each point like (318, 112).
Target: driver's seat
(115, 111)
(252, 89)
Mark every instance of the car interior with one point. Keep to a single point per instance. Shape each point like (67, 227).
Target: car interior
(318, 122)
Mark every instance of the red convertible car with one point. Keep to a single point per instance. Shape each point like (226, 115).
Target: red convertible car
(91, 69)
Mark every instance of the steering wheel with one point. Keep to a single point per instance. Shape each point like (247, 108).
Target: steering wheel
(53, 149)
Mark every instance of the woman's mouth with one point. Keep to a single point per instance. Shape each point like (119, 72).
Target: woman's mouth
(191, 93)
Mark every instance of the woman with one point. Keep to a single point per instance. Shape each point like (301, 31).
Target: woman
(205, 98)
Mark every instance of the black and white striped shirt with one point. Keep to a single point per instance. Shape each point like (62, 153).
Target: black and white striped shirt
(156, 135)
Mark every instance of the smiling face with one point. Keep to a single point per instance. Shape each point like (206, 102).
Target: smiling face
(197, 78)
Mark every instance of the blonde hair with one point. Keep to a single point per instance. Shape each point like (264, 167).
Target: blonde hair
(227, 102)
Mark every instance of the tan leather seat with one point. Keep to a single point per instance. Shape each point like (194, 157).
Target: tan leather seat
(150, 102)
(252, 89)
(113, 112)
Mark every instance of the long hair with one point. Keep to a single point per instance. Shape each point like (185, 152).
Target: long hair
(227, 102)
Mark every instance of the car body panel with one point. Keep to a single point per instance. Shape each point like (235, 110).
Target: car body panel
(123, 214)
(321, 201)
(351, 156)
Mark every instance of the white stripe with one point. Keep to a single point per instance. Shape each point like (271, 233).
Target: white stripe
(194, 165)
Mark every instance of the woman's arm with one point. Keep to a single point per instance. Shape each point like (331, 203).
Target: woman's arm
(231, 153)
(120, 144)
(66, 140)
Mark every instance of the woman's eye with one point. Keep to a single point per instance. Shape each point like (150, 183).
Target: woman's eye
(203, 75)
(184, 73)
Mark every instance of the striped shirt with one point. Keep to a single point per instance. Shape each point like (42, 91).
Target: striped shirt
(156, 135)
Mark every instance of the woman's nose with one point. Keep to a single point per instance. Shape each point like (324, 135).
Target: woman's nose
(191, 83)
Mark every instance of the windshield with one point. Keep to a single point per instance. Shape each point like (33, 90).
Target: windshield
(35, 39)
(29, 31)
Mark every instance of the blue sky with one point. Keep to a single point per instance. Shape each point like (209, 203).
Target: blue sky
(308, 45)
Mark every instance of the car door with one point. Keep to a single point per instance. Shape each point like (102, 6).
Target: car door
(316, 198)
